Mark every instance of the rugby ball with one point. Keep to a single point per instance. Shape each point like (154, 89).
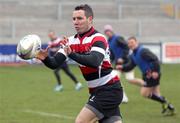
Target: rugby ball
(29, 46)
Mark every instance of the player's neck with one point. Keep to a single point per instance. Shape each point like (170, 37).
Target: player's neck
(89, 30)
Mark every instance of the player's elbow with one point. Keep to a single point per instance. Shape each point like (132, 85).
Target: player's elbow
(95, 63)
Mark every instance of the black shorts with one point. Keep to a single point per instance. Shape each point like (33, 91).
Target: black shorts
(150, 82)
(105, 100)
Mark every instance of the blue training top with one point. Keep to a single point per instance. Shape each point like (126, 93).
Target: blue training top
(144, 65)
(116, 50)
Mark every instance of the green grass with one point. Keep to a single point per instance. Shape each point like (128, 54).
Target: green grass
(30, 88)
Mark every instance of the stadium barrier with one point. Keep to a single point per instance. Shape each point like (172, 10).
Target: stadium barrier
(167, 52)
(171, 52)
(8, 55)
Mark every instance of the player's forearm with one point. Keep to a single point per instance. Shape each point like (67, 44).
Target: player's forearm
(93, 59)
(128, 66)
(54, 62)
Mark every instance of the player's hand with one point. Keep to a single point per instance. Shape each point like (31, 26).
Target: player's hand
(65, 41)
(155, 75)
(62, 43)
(42, 54)
(148, 74)
(120, 61)
(119, 67)
(67, 50)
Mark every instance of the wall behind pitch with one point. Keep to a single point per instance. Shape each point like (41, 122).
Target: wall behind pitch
(168, 52)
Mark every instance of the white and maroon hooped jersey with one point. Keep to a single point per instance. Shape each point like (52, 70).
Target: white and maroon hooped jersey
(95, 77)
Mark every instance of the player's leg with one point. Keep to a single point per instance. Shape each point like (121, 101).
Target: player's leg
(148, 88)
(118, 121)
(152, 91)
(167, 108)
(69, 73)
(57, 75)
(113, 119)
(78, 85)
(156, 96)
(137, 81)
(106, 109)
(125, 98)
(59, 86)
(86, 116)
(131, 79)
(146, 91)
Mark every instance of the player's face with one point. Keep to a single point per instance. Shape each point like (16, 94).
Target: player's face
(81, 22)
(52, 35)
(108, 33)
(132, 44)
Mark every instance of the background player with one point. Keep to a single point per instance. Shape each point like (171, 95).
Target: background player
(120, 55)
(54, 40)
(150, 68)
(119, 51)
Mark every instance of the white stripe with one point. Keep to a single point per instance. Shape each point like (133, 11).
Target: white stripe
(49, 114)
(98, 49)
(101, 81)
(61, 50)
(89, 39)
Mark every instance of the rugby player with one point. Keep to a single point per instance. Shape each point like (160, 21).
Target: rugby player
(90, 50)
(52, 51)
(149, 65)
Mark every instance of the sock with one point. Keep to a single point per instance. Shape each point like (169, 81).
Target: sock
(160, 99)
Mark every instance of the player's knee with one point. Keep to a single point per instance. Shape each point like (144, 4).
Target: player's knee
(79, 120)
(113, 119)
(144, 94)
(118, 122)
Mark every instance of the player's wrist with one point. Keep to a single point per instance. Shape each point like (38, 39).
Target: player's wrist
(41, 55)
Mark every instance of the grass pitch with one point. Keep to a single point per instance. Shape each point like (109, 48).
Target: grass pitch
(27, 96)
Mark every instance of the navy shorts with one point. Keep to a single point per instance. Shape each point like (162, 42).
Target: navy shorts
(150, 82)
(104, 101)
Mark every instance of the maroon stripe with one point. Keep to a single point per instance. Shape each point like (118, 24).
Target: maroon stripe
(106, 64)
(81, 48)
(99, 38)
(88, 70)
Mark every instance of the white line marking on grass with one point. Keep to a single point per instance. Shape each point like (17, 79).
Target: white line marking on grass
(49, 114)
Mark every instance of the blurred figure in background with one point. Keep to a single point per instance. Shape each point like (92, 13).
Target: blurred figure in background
(149, 65)
(53, 43)
(119, 52)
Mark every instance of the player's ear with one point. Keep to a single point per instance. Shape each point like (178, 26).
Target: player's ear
(90, 19)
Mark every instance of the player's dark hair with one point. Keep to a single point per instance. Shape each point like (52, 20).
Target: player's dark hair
(88, 10)
(132, 37)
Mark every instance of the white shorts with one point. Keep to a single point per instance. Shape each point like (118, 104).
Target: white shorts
(128, 75)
